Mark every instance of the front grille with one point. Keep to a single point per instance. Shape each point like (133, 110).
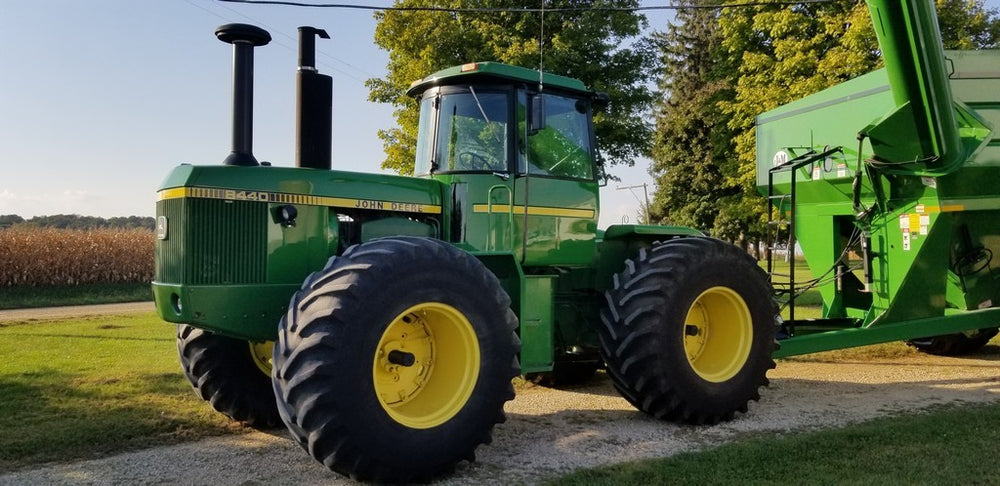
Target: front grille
(170, 252)
(212, 242)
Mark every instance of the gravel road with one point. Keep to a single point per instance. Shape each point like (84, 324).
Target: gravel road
(550, 432)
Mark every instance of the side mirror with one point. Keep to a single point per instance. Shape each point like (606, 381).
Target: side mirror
(537, 119)
(601, 99)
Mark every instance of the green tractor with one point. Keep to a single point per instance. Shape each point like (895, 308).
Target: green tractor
(382, 318)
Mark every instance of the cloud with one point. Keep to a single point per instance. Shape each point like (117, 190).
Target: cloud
(76, 195)
(27, 205)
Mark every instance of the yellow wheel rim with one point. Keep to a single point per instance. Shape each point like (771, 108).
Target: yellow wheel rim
(261, 354)
(718, 332)
(426, 365)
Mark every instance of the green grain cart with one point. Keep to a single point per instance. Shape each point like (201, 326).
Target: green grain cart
(890, 185)
(382, 318)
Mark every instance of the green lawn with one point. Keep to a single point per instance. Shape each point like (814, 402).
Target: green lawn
(21, 297)
(89, 387)
(950, 445)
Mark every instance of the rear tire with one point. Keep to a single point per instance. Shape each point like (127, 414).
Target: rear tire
(394, 362)
(954, 344)
(688, 330)
(226, 373)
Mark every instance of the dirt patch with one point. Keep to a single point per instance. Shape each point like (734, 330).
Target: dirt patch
(73, 311)
(550, 432)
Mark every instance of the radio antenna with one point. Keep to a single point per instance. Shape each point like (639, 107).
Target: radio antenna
(541, 49)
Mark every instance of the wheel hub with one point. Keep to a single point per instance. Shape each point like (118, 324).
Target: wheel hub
(261, 352)
(426, 365)
(718, 332)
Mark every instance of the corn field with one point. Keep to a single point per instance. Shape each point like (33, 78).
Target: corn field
(48, 256)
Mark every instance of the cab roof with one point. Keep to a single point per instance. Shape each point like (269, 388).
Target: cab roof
(479, 71)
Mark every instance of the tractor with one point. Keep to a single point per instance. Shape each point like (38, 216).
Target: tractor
(382, 318)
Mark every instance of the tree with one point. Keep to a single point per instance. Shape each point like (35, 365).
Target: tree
(599, 47)
(968, 24)
(783, 53)
(8, 220)
(77, 222)
(780, 54)
(692, 142)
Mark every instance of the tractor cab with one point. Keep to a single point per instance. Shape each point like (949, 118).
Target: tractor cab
(518, 157)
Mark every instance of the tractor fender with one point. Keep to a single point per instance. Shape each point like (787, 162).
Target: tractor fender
(620, 242)
(647, 232)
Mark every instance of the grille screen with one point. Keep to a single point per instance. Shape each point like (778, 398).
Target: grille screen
(212, 242)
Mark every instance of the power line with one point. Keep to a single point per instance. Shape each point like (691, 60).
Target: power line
(286, 46)
(526, 9)
(318, 50)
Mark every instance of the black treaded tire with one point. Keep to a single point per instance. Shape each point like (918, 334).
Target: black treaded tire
(954, 344)
(644, 330)
(332, 337)
(223, 373)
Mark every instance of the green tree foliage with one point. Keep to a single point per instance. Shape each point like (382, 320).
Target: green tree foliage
(773, 55)
(8, 220)
(968, 24)
(692, 143)
(599, 47)
(781, 54)
(75, 221)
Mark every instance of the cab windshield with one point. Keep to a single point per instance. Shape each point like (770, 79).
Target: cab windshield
(472, 132)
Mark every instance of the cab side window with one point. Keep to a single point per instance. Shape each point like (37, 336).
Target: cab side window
(562, 147)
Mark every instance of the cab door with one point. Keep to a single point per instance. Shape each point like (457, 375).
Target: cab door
(471, 152)
(555, 185)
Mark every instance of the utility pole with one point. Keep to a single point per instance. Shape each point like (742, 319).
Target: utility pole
(645, 195)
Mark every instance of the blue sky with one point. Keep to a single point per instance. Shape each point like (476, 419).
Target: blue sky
(99, 99)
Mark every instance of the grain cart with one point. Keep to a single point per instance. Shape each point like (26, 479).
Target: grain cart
(890, 185)
(382, 318)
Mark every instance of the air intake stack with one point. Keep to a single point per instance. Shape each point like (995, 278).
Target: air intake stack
(313, 105)
(244, 38)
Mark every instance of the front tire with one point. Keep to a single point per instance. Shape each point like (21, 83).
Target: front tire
(230, 374)
(393, 363)
(688, 330)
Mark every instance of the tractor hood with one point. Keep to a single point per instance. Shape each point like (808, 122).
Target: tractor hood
(337, 189)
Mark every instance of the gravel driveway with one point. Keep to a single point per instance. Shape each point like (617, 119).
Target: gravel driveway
(550, 432)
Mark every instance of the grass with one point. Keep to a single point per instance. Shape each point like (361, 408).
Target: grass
(90, 387)
(949, 445)
(809, 304)
(22, 297)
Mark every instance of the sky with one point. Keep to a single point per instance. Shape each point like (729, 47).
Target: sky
(100, 99)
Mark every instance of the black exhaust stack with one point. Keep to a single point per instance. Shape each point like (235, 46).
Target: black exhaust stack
(244, 38)
(313, 105)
